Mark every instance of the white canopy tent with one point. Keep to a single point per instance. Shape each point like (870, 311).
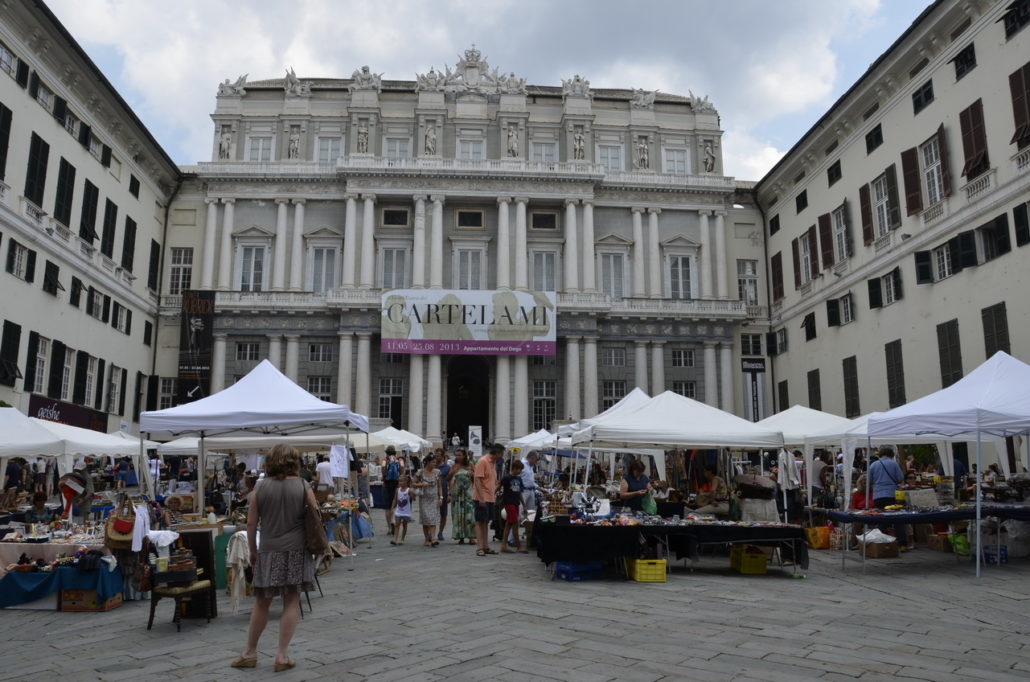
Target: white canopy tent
(992, 400)
(21, 437)
(631, 400)
(406, 440)
(189, 446)
(540, 439)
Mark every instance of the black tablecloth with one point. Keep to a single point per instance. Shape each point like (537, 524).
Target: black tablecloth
(567, 542)
(1021, 513)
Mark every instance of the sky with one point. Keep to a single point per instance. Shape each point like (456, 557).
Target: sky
(771, 67)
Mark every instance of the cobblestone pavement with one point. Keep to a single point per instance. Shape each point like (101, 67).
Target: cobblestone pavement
(414, 613)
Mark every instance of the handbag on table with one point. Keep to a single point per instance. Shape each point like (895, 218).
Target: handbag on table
(119, 525)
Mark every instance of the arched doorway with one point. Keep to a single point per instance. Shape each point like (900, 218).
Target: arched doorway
(468, 396)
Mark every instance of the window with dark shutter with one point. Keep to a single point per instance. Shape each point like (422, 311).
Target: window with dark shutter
(85, 134)
(873, 139)
(875, 294)
(801, 201)
(101, 381)
(974, 140)
(996, 329)
(922, 97)
(134, 186)
(129, 244)
(776, 264)
(833, 312)
(850, 372)
(895, 373)
(105, 156)
(1022, 222)
(808, 324)
(88, 220)
(56, 379)
(155, 265)
(51, 278)
(21, 75)
(148, 333)
(774, 224)
(797, 262)
(76, 292)
(924, 267)
(110, 225)
(121, 392)
(950, 352)
(966, 246)
(1019, 86)
(152, 387)
(65, 193)
(942, 148)
(35, 172)
(913, 183)
(32, 350)
(5, 138)
(892, 197)
(10, 344)
(833, 173)
(81, 371)
(826, 240)
(895, 275)
(1017, 15)
(90, 304)
(770, 343)
(965, 61)
(137, 397)
(1000, 231)
(106, 315)
(33, 85)
(782, 395)
(60, 109)
(813, 254)
(815, 397)
(866, 209)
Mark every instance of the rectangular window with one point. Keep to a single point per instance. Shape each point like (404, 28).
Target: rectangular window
(889, 285)
(676, 162)
(965, 61)
(67, 375)
(1017, 15)
(9, 345)
(750, 344)
(395, 217)
(167, 389)
(841, 237)
(682, 357)
(774, 224)
(398, 148)
(323, 269)
(134, 186)
(95, 304)
(545, 271)
(974, 140)
(44, 97)
(873, 139)
(613, 274)
(320, 352)
(782, 395)
(950, 352)
(815, 395)
(129, 244)
(805, 253)
(847, 309)
(468, 220)
(5, 138)
(895, 374)
(148, 333)
(252, 269)
(471, 150)
(120, 318)
(851, 403)
(1019, 86)
(114, 391)
(881, 206)
(391, 358)
(747, 281)
(942, 262)
(65, 193)
(328, 149)
(391, 392)
(543, 220)
(801, 201)
(543, 152)
(88, 219)
(394, 268)
(613, 357)
(687, 389)
(71, 124)
(51, 278)
(808, 324)
(781, 340)
(933, 176)
(996, 329)
(42, 355)
(8, 62)
(181, 275)
(110, 225)
(35, 173)
(247, 350)
(321, 387)
(611, 393)
(833, 173)
(91, 381)
(679, 277)
(259, 149)
(776, 271)
(20, 260)
(470, 269)
(544, 404)
(922, 97)
(610, 157)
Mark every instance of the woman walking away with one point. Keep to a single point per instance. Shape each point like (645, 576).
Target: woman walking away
(429, 504)
(401, 510)
(282, 565)
(463, 510)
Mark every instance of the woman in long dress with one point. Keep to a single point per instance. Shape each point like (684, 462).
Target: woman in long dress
(463, 524)
(429, 500)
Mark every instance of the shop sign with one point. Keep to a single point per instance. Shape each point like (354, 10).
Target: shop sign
(468, 322)
(197, 320)
(61, 412)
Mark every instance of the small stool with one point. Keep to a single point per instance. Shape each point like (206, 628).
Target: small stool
(178, 593)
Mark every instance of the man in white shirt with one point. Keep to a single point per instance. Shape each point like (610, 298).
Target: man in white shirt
(325, 484)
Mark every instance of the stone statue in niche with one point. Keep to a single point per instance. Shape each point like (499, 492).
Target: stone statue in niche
(577, 86)
(362, 138)
(293, 152)
(643, 99)
(430, 145)
(643, 160)
(709, 157)
(701, 105)
(513, 141)
(237, 88)
(225, 144)
(429, 82)
(579, 146)
(365, 79)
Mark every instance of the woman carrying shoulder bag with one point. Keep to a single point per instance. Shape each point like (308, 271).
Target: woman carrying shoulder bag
(283, 567)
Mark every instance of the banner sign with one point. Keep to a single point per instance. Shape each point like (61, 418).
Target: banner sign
(476, 441)
(61, 412)
(195, 340)
(468, 322)
(754, 387)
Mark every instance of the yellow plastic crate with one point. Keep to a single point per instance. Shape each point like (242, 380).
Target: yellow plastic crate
(646, 570)
(754, 564)
(736, 551)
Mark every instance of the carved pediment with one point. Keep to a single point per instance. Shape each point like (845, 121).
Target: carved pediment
(324, 232)
(255, 231)
(614, 240)
(679, 241)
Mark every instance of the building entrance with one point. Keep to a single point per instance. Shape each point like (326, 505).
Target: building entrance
(468, 396)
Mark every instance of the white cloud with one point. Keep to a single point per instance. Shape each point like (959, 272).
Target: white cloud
(745, 157)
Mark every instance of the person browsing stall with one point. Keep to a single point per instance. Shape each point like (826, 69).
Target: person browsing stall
(511, 497)
(484, 492)
(886, 477)
(38, 513)
(634, 486)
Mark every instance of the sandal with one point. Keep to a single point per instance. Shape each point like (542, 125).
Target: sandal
(480, 552)
(489, 551)
(435, 544)
(279, 667)
(242, 662)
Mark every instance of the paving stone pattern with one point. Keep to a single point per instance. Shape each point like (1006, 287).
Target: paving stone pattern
(412, 613)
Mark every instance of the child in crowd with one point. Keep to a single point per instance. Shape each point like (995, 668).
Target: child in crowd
(511, 496)
(401, 510)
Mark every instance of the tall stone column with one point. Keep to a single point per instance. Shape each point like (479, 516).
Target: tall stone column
(654, 264)
(434, 396)
(218, 364)
(721, 267)
(711, 376)
(640, 365)
(572, 409)
(416, 404)
(363, 394)
(502, 401)
(418, 255)
(590, 377)
(503, 244)
(350, 242)
(279, 257)
(726, 377)
(368, 244)
(657, 367)
(521, 422)
(572, 254)
(207, 259)
(292, 356)
(521, 246)
(706, 256)
(589, 257)
(638, 252)
(297, 247)
(275, 350)
(436, 256)
(225, 251)
(344, 369)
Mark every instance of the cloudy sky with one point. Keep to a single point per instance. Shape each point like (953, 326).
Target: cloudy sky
(771, 67)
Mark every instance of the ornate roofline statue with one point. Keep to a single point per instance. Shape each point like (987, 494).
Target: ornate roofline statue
(577, 86)
(365, 79)
(294, 86)
(643, 99)
(701, 105)
(237, 88)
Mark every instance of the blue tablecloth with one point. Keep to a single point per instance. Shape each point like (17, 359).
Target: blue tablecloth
(20, 588)
(360, 527)
(1018, 512)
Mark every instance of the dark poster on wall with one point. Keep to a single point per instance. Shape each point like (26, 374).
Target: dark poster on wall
(197, 320)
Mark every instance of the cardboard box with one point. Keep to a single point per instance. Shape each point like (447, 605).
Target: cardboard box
(87, 600)
(880, 550)
(922, 532)
(939, 542)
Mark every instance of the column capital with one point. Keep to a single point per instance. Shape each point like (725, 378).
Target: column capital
(437, 198)
(588, 202)
(640, 344)
(710, 344)
(521, 200)
(274, 337)
(211, 200)
(347, 335)
(292, 337)
(228, 200)
(281, 201)
(720, 213)
(298, 202)
(503, 200)
(654, 211)
(220, 336)
(570, 202)
(637, 209)
(704, 213)
(572, 339)
(658, 343)
(350, 196)
(368, 197)
(591, 339)
(364, 335)
(419, 197)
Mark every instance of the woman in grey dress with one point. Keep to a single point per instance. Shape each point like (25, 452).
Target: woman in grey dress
(428, 483)
(282, 565)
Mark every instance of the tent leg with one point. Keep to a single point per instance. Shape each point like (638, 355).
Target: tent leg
(979, 498)
(198, 499)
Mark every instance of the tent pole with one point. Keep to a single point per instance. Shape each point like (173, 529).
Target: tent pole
(198, 500)
(143, 472)
(979, 498)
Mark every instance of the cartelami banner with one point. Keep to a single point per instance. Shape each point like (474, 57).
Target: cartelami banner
(468, 322)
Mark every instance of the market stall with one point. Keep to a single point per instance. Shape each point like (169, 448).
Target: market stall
(98, 589)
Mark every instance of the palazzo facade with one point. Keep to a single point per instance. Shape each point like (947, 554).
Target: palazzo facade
(323, 194)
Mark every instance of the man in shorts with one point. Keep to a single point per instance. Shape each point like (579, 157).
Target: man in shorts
(484, 492)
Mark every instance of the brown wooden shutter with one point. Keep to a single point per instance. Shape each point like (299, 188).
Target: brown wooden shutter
(913, 186)
(942, 147)
(826, 239)
(777, 276)
(797, 263)
(1019, 84)
(867, 214)
(813, 251)
(845, 208)
(893, 204)
(974, 140)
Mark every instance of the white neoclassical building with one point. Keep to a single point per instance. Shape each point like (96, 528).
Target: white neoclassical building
(323, 194)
